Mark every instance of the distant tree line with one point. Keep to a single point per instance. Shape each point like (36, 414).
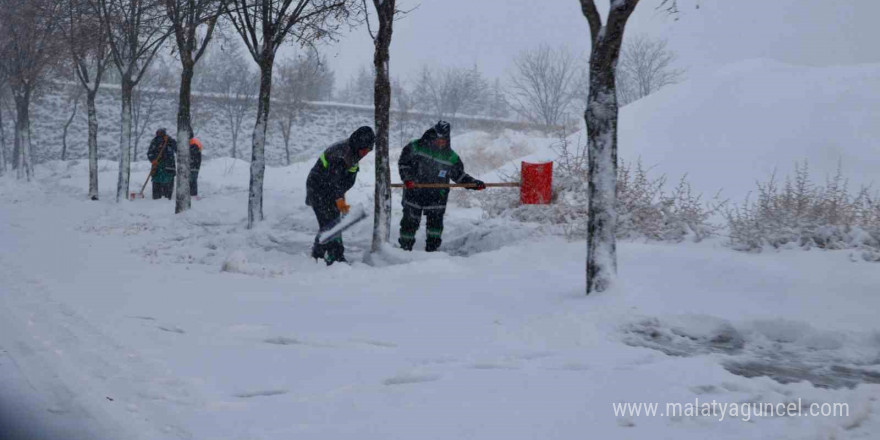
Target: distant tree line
(547, 86)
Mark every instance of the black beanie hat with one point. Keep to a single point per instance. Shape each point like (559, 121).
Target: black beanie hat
(439, 130)
(442, 128)
(363, 137)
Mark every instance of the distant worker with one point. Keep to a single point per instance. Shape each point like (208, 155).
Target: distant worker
(429, 159)
(332, 176)
(161, 155)
(195, 162)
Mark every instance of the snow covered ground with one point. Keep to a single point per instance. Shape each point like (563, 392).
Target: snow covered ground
(125, 321)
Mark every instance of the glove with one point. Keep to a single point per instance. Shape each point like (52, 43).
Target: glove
(479, 185)
(409, 184)
(341, 206)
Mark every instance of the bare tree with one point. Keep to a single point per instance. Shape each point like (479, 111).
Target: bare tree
(3, 88)
(542, 85)
(580, 90)
(230, 75)
(73, 98)
(385, 12)
(144, 102)
(601, 118)
(359, 88)
(143, 110)
(263, 26)
(135, 31)
(146, 97)
(305, 78)
(451, 91)
(29, 46)
(89, 56)
(645, 66)
(404, 104)
(187, 17)
(497, 104)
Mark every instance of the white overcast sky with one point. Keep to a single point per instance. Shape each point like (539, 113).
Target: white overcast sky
(491, 32)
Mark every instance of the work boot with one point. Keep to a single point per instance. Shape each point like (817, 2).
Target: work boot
(406, 243)
(330, 260)
(432, 244)
(317, 251)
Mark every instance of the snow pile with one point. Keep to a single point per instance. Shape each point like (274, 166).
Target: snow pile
(728, 129)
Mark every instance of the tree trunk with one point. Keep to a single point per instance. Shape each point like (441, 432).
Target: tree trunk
(234, 127)
(16, 142)
(286, 125)
(93, 144)
(258, 154)
(122, 184)
(3, 165)
(382, 107)
(22, 137)
(287, 148)
(66, 128)
(601, 118)
(29, 147)
(184, 127)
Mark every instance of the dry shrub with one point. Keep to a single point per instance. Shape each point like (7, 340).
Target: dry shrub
(805, 214)
(646, 210)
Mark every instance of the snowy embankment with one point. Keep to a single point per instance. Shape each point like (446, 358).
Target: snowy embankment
(728, 129)
(127, 321)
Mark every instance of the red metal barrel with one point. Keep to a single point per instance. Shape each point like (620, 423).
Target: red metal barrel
(537, 183)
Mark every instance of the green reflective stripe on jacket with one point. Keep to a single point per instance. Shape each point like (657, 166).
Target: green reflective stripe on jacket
(326, 164)
(446, 156)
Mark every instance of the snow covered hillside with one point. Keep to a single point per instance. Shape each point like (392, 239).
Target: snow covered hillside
(127, 321)
(318, 125)
(727, 129)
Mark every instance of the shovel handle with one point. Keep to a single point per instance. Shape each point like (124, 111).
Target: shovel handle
(459, 185)
(154, 165)
(152, 170)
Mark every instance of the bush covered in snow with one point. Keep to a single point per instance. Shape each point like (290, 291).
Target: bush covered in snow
(804, 214)
(647, 209)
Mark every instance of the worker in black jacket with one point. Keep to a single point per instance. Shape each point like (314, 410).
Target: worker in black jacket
(195, 163)
(332, 176)
(429, 159)
(161, 154)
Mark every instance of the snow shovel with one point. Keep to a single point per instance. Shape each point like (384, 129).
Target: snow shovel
(355, 215)
(140, 195)
(459, 185)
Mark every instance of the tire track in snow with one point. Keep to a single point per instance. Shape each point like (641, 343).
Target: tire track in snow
(85, 374)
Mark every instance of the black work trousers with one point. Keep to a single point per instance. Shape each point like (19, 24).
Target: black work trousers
(163, 190)
(409, 225)
(328, 215)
